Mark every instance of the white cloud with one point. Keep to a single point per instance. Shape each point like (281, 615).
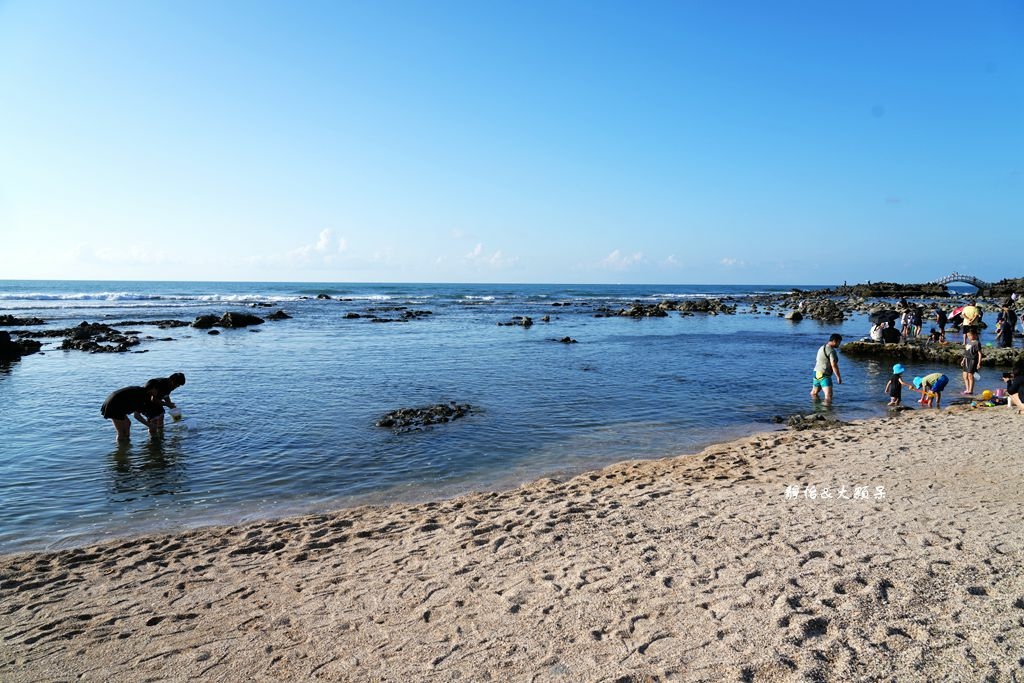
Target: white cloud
(671, 261)
(619, 261)
(495, 260)
(733, 263)
(322, 248)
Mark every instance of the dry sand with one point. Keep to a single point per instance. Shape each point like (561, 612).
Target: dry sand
(690, 568)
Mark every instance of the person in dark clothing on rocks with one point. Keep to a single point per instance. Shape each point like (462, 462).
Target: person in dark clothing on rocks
(138, 401)
(1005, 326)
(941, 320)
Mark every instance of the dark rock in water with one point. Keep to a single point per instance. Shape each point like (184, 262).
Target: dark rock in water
(204, 322)
(566, 340)
(795, 316)
(922, 351)
(261, 304)
(546, 319)
(415, 315)
(162, 324)
(13, 350)
(11, 321)
(213, 332)
(233, 320)
(521, 320)
(814, 421)
(778, 419)
(660, 310)
(97, 338)
(323, 296)
(229, 320)
(351, 316)
(279, 315)
(409, 419)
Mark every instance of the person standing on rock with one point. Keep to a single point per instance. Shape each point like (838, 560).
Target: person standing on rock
(941, 320)
(826, 365)
(1005, 326)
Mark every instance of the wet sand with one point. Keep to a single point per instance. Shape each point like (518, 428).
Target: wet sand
(696, 568)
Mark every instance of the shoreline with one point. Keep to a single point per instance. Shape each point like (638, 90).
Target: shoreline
(693, 567)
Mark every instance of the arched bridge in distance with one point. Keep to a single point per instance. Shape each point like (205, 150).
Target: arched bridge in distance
(968, 279)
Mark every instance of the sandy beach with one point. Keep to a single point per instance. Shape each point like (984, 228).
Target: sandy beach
(707, 567)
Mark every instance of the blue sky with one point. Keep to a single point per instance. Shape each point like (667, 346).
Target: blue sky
(676, 142)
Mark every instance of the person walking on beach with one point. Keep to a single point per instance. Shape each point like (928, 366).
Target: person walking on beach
(141, 402)
(826, 365)
(971, 361)
(162, 388)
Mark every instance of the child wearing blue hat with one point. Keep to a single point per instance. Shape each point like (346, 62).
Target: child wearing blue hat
(895, 386)
(931, 387)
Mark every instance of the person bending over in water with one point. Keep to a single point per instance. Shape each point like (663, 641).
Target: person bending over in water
(164, 386)
(141, 402)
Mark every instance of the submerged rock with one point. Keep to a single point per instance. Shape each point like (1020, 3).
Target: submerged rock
(521, 320)
(279, 315)
(814, 421)
(566, 340)
(409, 419)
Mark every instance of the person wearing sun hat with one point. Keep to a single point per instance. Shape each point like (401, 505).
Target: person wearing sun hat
(931, 387)
(895, 386)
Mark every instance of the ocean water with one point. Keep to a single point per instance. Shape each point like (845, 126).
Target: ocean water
(284, 413)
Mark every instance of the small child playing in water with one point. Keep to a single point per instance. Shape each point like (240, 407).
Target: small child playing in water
(931, 387)
(895, 386)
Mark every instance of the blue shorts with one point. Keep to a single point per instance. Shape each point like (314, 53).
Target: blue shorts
(822, 382)
(940, 384)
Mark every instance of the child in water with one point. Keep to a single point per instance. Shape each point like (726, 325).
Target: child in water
(894, 388)
(931, 387)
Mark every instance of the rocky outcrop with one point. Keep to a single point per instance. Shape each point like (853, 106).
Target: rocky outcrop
(1007, 287)
(97, 338)
(13, 350)
(229, 320)
(660, 310)
(410, 419)
(520, 320)
(162, 324)
(948, 353)
(324, 296)
(279, 315)
(11, 321)
(566, 340)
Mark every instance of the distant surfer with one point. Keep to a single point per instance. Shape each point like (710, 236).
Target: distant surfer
(138, 401)
(826, 365)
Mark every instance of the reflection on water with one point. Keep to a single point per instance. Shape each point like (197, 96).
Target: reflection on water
(152, 469)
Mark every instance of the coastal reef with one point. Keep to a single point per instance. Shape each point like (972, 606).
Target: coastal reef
(662, 309)
(914, 350)
(13, 350)
(411, 419)
(12, 321)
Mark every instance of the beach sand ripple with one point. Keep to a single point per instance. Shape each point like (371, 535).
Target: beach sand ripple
(696, 568)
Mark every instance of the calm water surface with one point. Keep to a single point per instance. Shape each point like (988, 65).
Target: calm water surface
(285, 411)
